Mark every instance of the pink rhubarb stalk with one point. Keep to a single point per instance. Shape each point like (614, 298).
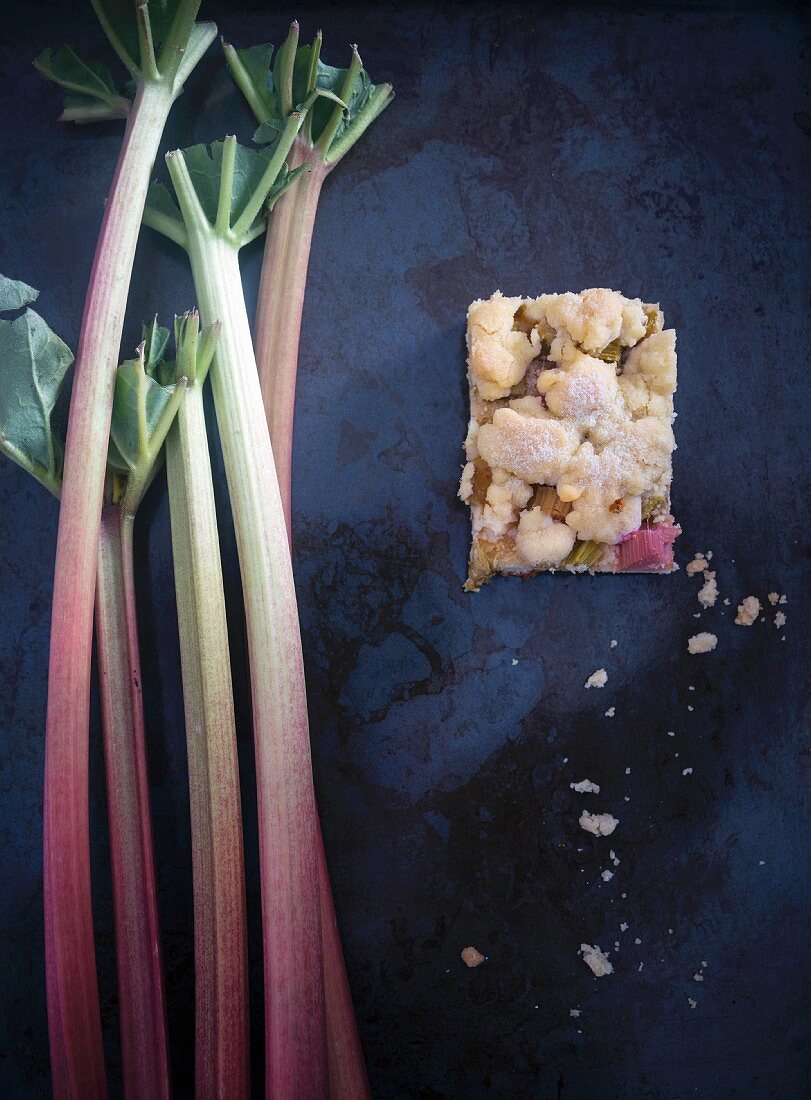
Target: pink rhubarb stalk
(77, 1058)
(140, 980)
(648, 549)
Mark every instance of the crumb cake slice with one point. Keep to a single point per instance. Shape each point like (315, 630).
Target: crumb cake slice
(570, 438)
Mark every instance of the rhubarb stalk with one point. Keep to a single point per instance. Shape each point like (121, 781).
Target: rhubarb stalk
(220, 933)
(77, 1057)
(219, 212)
(329, 132)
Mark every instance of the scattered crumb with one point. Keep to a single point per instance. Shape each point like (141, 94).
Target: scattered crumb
(761, 863)
(627, 771)
(748, 611)
(597, 679)
(574, 1012)
(606, 876)
(639, 968)
(637, 940)
(671, 733)
(623, 927)
(726, 602)
(709, 593)
(691, 1002)
(698, 977)
(612, 855)
(773, 598)
(783, 599)
(515, 660)
(689, 708)
(613, 643)
(690, 687)
(697, 565)
(687, 771)
(471, 957)
(703, 964)
(613, 710)
(780, 619)
(596, 960)
(598, 824)
(585, 786)
(702, 643)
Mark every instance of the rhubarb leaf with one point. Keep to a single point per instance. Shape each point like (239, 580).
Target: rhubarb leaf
(361, 100)
(140, 407)
(204, 165)
(15, 295)
(93, 95)
(33, 365)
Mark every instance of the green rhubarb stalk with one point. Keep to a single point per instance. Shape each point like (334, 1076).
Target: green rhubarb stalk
(329, 132)
(220, 932)
(167, 54)
(221, 197)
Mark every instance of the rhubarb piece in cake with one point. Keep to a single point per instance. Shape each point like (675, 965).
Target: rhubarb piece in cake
(570, 438)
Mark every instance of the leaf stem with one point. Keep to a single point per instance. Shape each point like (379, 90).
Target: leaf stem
(140, 979)
(229, 152)
(148, 66)
(335, 119)
(259, 196)
(378, 101)
(287, 61)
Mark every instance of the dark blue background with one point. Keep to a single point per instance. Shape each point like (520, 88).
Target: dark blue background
(658, 149)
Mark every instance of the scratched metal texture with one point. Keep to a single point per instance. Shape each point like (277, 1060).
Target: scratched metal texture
(659, 149)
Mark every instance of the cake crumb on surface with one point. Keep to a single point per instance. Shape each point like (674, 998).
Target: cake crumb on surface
(574, 1011)
(585, 786)
(691, 1002)
(611, 712)
(597, 679)
(702, 643)
(598, 824)
(613, 643)
(698, 977)
(687, 771)
(697, 565)
(748, 611)
(708, 594)
(596, 960)
(606, 875)
(780, 619)
(471, 957)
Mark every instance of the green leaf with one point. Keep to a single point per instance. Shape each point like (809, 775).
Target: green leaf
(33, 365)
(89, 83)
(15, 295)
(139, 406)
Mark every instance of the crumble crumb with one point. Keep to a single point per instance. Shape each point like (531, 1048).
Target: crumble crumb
(780, 619)
(698, 977)
(687, 771)
(606, 875)
(515, 661)
(708, 594)
(596, 960)
(613, 643)
(702, 643)
(697, 565)
(597, 679)
(612, 855)
(623, 927)
(598, 824)
(611, 712)
(471, 957)
(585, 786)
(574, 1012)
(692, 1003)
(748, 611)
